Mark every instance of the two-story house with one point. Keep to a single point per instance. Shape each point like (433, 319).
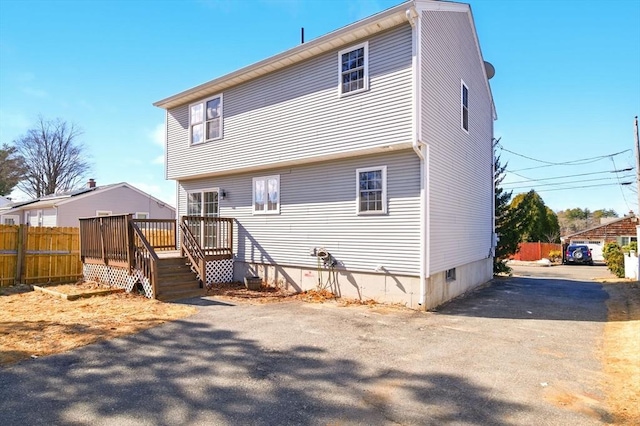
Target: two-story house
(361, 160)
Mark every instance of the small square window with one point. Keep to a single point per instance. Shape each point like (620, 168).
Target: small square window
(450, 275)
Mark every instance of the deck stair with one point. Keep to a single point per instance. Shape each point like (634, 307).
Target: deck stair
(176, 280)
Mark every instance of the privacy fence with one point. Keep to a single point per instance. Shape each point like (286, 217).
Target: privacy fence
(535, 251)
(32, 255)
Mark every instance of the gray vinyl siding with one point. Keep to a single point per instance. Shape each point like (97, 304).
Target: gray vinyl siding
(318, 209)
(296, 114)
(119, 200)
(460, 164)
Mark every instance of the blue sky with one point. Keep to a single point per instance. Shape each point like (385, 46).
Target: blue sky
(567, 82)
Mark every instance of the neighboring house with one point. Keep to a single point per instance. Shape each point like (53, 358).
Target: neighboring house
(621, 231)
(65, 209)
(372, 143)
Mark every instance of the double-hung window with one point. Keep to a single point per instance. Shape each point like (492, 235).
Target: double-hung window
(464, 101)
(205, 120)
(372, 190)
(266, 195)
(353, 69)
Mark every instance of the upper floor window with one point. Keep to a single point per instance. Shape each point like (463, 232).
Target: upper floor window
(266, 195)
(205, 120)
(465, 106)
(372, 190)
(353, 69)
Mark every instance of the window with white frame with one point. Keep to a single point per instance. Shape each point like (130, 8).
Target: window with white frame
(205, 120)
(464, 105)
(372, 190)
(353, 69)
(266, 195)
(104, 212)
(141, 215)
(9, 221)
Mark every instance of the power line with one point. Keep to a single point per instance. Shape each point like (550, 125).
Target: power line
(578, 162)
(621, 189)
(585, 186)
(571, 181)
(565, 176)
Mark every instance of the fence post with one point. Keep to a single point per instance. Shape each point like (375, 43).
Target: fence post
(21, 250)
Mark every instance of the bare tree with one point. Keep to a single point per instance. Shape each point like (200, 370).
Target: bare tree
(54, 159)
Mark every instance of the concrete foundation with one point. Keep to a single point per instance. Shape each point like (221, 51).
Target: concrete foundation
(467, 277)
(379, 286)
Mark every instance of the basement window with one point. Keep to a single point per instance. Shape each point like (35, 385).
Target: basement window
(450, 275)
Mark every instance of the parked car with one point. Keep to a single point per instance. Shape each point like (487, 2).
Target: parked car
(578, 254)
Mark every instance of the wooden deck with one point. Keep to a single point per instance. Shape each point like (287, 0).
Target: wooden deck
(150, 247)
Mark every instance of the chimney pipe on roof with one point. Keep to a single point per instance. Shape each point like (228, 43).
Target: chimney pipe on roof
(302, 35)
(91, 183)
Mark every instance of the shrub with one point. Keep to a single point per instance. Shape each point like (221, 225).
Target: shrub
(633, 245)
(555, 255)
(614, 257)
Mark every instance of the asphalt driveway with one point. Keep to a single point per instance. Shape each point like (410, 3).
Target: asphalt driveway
(521, 351)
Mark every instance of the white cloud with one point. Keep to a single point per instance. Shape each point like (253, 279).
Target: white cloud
(158, 160)
(157, 135)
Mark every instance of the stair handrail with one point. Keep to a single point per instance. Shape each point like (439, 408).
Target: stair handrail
(144, 257)
(189, 245)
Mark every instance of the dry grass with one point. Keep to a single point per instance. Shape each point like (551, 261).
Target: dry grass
(36, 324)
(621, 352)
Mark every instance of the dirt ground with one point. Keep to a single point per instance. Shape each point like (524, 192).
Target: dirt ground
(36, 324)
(621, 352)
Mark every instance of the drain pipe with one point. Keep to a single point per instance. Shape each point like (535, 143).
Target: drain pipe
(420, 149)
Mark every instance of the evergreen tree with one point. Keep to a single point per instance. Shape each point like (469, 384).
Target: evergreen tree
(508, 220)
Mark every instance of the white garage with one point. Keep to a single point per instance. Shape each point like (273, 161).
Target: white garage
(595, 246)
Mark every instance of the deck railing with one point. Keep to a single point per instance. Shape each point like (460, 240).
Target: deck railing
(190, 248)
(160, 233)
(214, 235)
(145, 258)
(106, 240)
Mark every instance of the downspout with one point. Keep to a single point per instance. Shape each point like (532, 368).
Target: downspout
(420, 149)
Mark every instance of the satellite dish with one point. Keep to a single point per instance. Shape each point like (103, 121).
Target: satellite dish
(490, 70)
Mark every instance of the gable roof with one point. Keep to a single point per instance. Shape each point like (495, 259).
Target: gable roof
(55, 200)
(344, 36)
(620, 227)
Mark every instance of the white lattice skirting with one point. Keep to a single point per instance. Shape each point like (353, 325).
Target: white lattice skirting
(219, 271)
(117, 277)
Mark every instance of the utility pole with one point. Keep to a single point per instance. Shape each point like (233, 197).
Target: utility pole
(637, 164)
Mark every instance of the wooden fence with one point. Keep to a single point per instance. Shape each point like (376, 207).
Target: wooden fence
(535, 251)
(32, 255)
